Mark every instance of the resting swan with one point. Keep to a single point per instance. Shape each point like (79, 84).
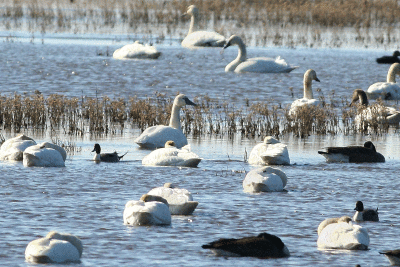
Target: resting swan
(136, 51)
(196, 38)
(389, 90)
(265, 179)
(44, 155)
(54, 248)
(13, 148)
(257, 64)
(308, 98)
(270, 152)
(180, 200)
(156, 136)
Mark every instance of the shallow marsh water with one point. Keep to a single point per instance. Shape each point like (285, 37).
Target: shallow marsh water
(88, 199)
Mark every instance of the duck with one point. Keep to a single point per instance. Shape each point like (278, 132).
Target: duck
(13, 148)
(156, 136)
(259, 64)
(365, 215)
(389, 59)
(375, 113)
(106, 157)
(44, 155)
(54, 248)
(180, 201)
(136, 51)
(197, 38)
(263, 246)
(149, 210)
(170, 155)
(393, 256)
(270, 152)
(308, 98)
(388, 90)
(264, 179)
(353, 154)
(342, 234)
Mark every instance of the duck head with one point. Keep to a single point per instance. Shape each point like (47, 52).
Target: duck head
(96, 148)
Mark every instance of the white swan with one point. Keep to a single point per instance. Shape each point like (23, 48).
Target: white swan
(264, 179)
(136, 51)
(375, 113)
(341, 233)
(13, 148)
(54, 248)
(180, 200)
(157, 136)
(172, 156)
(44, 155)
(197, 38)
(149, 210)
(257, 64)
(308, 98)
(389, 90)
(270, 152)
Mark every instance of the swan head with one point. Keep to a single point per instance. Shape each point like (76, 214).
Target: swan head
(96, 148)
(345, 219)
(234, 39)
(169, 144)
(311, 75)
(150, 198)
(359, 94)
(169, 185)
(192, 11)
(182, 100)
(270, 140)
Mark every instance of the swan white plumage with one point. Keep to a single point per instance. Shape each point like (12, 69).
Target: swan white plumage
(264, 179)
(136, 51)
(172, 156)
(44, 155)
(257, 64)
(389, 90)
(197, 38)
(308, 98)
(156, 136)
(149, 210)
(54, 248)
(342, 234)
(270, 152)
(13, 148)
(180, 200)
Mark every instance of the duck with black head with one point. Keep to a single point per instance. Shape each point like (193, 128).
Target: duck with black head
(365, 215)
(352, 154)
(105, 157)
(389, 59)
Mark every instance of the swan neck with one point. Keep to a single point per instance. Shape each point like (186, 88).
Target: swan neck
(175, 121)
(193, 23)
(308, 94)
(242, 55)
(391, 77)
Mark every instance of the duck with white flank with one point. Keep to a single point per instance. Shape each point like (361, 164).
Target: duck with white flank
(44, 155)
(389, 90)
(262, 246)
(13, 148)
(106, 157)
(265, 179)
(270, 152)
(136, 51)
(393, 256)
(365, 215)
(156, 136)
(353, 154)
(257, 64)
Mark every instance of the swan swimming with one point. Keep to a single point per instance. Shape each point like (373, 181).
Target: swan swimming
(270, 152)
(156, 136)
(197, 38)
(180, 200)
(353, 154)
(172, 156)
(389, 90)
(136, 51)
(105, 157)
(44, 155)
(365, 215)
(257, 64)
(149, 210)
(341, 233)
(308, 98)
(264, 179)
(13, 148)
(54, 248)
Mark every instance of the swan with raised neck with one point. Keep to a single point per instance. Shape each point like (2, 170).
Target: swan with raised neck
(193, 12)
(389, 90)
(309, 76)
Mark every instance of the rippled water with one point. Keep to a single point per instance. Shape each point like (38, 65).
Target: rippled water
(88, 199)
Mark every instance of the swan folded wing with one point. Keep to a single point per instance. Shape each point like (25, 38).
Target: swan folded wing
(157, 136)
(172, 195)
(384, 90)
(46, 250)
(136, 50)
(204, 38)
(343, 236)
(146, 213)
(276, 154)
(264, 65)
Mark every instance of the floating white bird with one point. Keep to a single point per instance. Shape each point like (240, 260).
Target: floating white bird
(149, 210)
(264, 179)
(197, 38)
(353, 154)
(270, 152)
(54, 248)
(341, 233)
(258, 64)
(308, 98)
(44, 155)
(13, 148)
(180, 200)
(389, 90)
(365, 215)
(106, 157)
(172, 156)
(156, 136)
(136, 51)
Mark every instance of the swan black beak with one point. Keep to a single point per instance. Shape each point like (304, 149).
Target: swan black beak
(188, 102)
(316, 79)
(228, 44)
